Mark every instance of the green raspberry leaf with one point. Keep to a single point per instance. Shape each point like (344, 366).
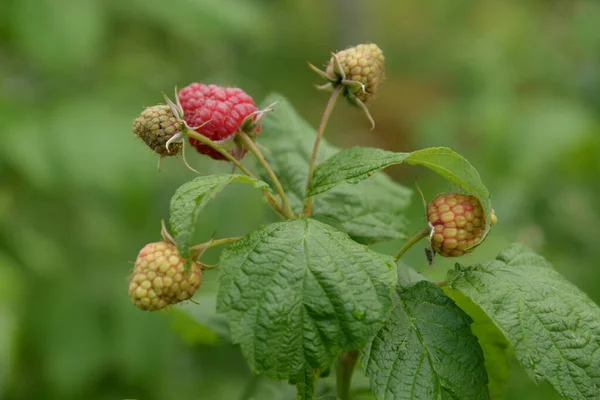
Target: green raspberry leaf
(407, 276)
(496, 349)
(298, 292)
(426, 350)
(191, 197)
(351, 166)
(552, 326)
(202, 315)
(305, 384)
(370, 212)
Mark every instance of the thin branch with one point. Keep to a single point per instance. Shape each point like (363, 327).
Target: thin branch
(311, 167)
(213, 243)
(412, 241)
(249, 143)
(204, 140)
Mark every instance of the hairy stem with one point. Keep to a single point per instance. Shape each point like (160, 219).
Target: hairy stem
(411, 242)
(273, 202)
(249, 143)
(213, 243)
(344, 368)
(313, 158)
(204, 140)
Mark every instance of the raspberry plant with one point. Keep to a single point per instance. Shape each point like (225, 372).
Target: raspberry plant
(305, 295)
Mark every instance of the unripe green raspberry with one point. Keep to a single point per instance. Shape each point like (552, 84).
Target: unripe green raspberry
(155, 126)
(457, 222)
(159, 279)
(362, 63)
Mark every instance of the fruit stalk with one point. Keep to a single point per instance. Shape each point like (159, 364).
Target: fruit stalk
(214, 243)
(204, 140)
(313, 158)
(250, 145)
(412, 241)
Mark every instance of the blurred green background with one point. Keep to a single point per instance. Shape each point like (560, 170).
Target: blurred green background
(513, 85)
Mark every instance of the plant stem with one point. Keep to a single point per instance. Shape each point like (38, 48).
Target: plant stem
(213, 243)
(410, 242)
(313, 158)
(249, 143)
(344, 368)
(204, 140)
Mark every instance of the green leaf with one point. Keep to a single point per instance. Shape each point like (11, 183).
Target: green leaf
(371, 211)
(305, 384)
(426, 350)
(351, 166)
(201, 317)
(407, 276)
(298, 292)
(552, 326)
(356, 164)
(496, 349)
(191, 197)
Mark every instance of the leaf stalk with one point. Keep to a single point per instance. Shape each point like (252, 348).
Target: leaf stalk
(273, 202)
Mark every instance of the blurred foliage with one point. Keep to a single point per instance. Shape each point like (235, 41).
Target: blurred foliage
(512, 85)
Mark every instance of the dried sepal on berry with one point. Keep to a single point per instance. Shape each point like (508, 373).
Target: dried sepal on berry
(359, 70)
(457, 223)
(159, 278)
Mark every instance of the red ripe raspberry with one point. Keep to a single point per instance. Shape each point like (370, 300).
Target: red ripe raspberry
(225, 108)
(457, 222)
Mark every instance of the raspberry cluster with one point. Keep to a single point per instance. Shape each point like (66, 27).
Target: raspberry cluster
(225, 108)
(457, 222)
(155, 126)
(159, 279)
